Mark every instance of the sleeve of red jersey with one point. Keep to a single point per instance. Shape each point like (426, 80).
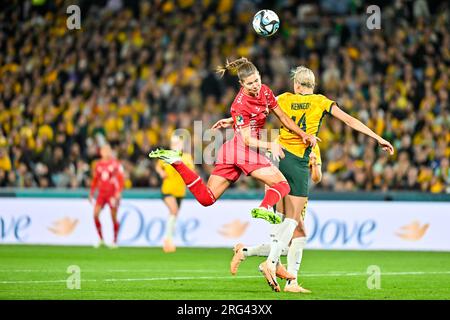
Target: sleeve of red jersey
(271, 99)
(120, 176)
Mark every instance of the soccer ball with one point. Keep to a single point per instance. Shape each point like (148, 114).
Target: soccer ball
(266, 23)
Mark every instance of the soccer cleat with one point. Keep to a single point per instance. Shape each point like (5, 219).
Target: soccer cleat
(280, 215)
(282, 273)
(169, 156)
(270, 276)
(113, 246)
(237, 258)
(168, 246)
(266, 214)
(295, 287)
(100, 244)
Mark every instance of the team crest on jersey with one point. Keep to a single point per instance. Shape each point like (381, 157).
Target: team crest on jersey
(239, 120)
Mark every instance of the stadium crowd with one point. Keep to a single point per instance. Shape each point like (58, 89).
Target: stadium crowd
(137, 70)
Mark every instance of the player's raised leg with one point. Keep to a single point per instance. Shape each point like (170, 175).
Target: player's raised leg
(204, 195)
(241, 252)
(281, 238)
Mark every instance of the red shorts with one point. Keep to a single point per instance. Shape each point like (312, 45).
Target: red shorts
(109, 199)
(235, 157)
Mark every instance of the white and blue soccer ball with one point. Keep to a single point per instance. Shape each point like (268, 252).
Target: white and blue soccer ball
(266, 23)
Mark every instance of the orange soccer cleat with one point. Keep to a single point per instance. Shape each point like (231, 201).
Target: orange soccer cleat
(270, 276)
(237, 258)
(168, 246)
(295, 287)
(282, 273)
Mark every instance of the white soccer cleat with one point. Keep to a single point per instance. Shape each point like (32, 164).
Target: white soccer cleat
(99, 244)
(169, 156)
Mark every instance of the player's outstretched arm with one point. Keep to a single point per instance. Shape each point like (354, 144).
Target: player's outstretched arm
(120, 179)
(290, 124)
(359, 126)
(316, 169)
(223, 123)
(93, 184)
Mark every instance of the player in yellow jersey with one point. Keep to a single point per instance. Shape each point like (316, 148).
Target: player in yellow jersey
(307, 110)
(173, 191)
(241, 252)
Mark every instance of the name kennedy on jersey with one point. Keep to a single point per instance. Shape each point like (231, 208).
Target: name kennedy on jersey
(300, 106)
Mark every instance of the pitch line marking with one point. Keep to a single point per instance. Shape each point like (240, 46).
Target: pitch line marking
(312, 275)
(103, 271)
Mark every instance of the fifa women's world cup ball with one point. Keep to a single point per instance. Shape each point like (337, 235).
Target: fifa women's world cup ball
(266, 23)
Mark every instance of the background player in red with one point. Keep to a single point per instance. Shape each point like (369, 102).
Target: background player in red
(109, 180)
(240, 154)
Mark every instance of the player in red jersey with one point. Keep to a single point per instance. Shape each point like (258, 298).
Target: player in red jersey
(240, 154)
(109, 180)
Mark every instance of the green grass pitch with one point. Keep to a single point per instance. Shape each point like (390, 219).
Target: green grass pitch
(40, 272)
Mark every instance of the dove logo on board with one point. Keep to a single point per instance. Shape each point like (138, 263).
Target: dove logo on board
(63, 227)
(413, 231)
(14, 228)
(234, 229)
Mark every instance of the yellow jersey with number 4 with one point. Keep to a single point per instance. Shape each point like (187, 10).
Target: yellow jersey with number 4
(307, 111)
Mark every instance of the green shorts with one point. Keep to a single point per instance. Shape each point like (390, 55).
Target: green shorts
(296, 171)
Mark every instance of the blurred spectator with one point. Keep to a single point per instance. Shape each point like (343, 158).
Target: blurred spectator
(140, 69)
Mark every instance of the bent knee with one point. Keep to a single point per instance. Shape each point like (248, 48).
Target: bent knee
(207, 202)
(287, 187)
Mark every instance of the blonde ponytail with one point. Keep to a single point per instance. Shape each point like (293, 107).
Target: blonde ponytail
(242, 66)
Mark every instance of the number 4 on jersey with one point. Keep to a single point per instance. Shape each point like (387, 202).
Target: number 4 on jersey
(301, 123)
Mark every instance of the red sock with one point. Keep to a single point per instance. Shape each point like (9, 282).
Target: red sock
(116, 230)
(275, 193)
(193, 181)
(99, 227)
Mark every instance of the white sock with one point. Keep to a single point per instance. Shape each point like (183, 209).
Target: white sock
(264, 249)
(275, 229)
(294, 257)
(170, 227)
(284, 251)
(280, 240)
(261, 250)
